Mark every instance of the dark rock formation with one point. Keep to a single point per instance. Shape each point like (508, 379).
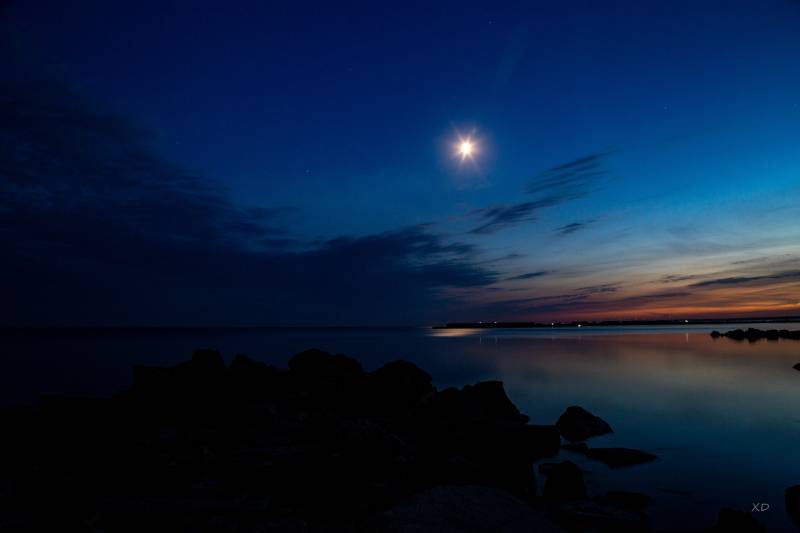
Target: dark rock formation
(461, 509)
(564, 482)
(322, 446)
(797, 366)
(792, 501)
(576, 424)
(753, 335)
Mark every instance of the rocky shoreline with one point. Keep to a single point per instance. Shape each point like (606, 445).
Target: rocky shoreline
(753, 334)
(322, 446)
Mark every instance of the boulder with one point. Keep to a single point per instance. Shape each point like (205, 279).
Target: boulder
(399, 386)
(564, 482)
(481, 404)
(576, 424)
(461, 509)
(538, 441)
(792, 501)
(797, 366)
(318, 364)
(255, 381)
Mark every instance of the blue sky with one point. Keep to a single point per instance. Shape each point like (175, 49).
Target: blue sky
(634, 159)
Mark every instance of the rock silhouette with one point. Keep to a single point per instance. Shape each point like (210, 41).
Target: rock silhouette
(322, 446)
(577, 424)
(564, 482)
(753, 334)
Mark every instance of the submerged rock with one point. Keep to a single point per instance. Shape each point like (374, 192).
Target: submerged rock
(564, 482)
(797, 366)
(462, 509)
(576, 424)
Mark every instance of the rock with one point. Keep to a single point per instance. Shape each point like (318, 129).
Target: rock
(753, 334)
(619, 457)
(538, 441)
(591, 516)
(731, 521)
(481, 404)
(576, 424)
(399, 386)
(322, 365)
(792, 501)
(632, 501)
(564, 482)
(256, 381)
(461, 509)
(797, 366)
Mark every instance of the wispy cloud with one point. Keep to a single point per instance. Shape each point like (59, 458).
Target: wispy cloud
(529, 275)
(555, 186)
(574, 178)
(791, 275)
(675, 278)
(568, 229)
(503, 216)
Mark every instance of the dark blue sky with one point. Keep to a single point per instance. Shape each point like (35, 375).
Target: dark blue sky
(264, 162)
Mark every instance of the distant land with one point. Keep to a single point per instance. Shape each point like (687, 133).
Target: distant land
(611, 323)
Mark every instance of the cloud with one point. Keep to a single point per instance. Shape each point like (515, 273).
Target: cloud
(674, 278)
(573, 227)
(768, 279)
(99, 229)
(596, 289)
(572, 179)
(529, 275)
(555, 186)
(502, 216)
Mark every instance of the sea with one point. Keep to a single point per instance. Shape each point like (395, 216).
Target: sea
(722, 416)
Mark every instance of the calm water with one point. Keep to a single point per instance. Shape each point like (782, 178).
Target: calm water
(723, 416)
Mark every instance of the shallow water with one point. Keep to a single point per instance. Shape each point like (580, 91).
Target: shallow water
(723, 416)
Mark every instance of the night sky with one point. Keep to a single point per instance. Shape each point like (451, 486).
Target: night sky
(287, 163)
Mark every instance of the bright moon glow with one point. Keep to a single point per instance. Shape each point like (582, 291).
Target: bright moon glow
(465, 148)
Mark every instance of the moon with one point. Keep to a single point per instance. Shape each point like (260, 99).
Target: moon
(465, 148)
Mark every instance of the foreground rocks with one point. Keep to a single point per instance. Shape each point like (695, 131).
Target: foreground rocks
(322, 446)
(753, 335)
(464, 509)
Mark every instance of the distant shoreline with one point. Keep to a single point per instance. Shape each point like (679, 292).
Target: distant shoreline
(612, 323)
